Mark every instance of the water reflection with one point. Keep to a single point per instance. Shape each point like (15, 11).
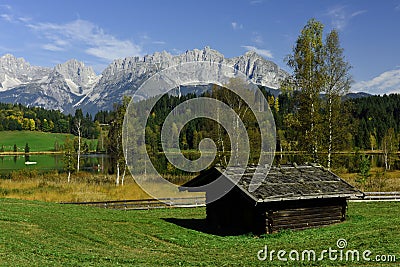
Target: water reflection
(45, 162)
(348, 161)
(103, 163)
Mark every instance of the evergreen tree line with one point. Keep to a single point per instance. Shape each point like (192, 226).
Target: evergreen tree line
(376, 117)
(377, 112)
(369, 119)
(16, 117)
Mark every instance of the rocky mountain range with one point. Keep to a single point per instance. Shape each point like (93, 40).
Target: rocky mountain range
(73, 85)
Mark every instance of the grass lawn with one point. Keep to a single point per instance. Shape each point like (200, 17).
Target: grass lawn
(46, 234)
(37, 141)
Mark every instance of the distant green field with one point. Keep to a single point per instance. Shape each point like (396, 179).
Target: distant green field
(37, 141)
(48, 234)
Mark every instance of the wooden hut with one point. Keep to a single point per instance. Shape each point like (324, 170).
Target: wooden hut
(287, 197)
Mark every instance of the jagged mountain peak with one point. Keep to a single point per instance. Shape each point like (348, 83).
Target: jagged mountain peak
(75, 69)
(78, 77)
(10, 57)
(72, 85)
(124, 76)
(9, 62)
(16, 71)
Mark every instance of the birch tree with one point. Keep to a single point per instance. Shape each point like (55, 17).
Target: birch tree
(307, 62)
(69, 157)
(337, 84)
(319, 68)
(389, 147)
(78, 125)
(235, 102)
(115, 137)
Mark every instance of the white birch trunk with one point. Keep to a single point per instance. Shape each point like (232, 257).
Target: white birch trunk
(330, 134)
(117, 179)
(123, 176)
(78, 126)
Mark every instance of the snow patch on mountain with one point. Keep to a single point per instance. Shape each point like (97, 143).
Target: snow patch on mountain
(72, 85)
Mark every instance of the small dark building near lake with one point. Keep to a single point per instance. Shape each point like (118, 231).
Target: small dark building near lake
(287, 197)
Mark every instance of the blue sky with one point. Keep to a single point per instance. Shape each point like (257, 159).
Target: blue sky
(96, 32)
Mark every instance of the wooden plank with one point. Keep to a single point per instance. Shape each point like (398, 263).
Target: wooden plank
(303, 225)
(298, 228)
(306, 220)
(303, 218)
(291, 214)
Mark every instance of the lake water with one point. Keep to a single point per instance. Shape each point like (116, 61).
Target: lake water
(46, 162)
(102, 163)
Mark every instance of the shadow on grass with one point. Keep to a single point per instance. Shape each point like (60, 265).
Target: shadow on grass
(202, 225)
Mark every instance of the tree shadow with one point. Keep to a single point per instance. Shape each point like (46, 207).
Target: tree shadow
(202, 225)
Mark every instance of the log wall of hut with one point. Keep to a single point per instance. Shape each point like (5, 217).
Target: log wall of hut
(305, 214)
(287, 197)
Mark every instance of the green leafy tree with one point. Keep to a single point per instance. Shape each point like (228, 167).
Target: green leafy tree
(373, 141)
(69, 158)
(307, 63)
(337, 82)
(27, 149)
(56, 145)
(85, 147)
(115, 147)
(364, 171)
(102, 141)
(390, 145)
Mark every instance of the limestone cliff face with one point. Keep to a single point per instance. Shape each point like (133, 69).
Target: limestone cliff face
(73, 85)
(79, 78)
(58, 88)
(16, 71)
(124, 76)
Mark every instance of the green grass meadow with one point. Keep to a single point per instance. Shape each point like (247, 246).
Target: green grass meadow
(37, 141)
(48, 234)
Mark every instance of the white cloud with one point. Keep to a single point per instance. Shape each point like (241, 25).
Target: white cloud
(7, 17)
(11, 16)
(340, 17)
(386, 83)
(7, 7)
(82, 33)
(261, 52)
(236, 26)
(256, 2)
(257, 38)
(24, 19)
(354, 14)
(158, 42)
(52, 47)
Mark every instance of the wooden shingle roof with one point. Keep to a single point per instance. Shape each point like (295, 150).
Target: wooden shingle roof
(279, 183)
